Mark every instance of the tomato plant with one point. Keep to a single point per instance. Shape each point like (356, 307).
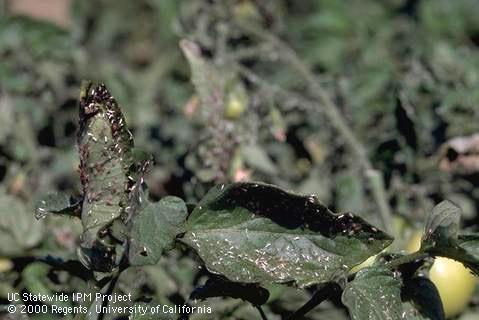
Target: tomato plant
(290, 142)
(250, 235)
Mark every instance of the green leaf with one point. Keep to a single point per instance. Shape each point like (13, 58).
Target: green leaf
(374, 294)
(421, 300)
(467, 251)
(442, 225)
(470, 243)
(258, 233)
(57, 203)
(257, 158)
(19, 231)
(154, 230)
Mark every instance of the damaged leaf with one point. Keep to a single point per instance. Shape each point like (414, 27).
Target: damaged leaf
(109, 172)
(374, 294)
(258, 233)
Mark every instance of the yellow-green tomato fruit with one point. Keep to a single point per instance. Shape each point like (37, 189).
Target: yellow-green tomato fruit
(235, 107)
(455, 284)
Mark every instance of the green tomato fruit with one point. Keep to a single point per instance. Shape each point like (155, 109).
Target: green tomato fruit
(235, 107)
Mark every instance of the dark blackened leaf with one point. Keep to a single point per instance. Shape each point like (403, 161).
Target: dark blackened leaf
(374, 294)
(155, 229)
(258, 233)
(217, 287)
(421, 300)
(57, 203)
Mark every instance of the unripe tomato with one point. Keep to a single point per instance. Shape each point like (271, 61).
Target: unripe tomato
(246, 10)
(236, 104)
(454, 282)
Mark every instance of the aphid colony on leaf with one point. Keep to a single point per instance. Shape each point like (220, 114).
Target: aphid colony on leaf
(109, 174)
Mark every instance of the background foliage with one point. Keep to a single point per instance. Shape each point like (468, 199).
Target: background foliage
(404, 74)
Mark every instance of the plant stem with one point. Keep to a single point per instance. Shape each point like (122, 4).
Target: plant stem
(109, 290)
(326, 291)
(261, 312)
(73, 267)
(418, 255)
(333, 114)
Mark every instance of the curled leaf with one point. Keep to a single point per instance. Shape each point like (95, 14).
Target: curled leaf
(110, 172)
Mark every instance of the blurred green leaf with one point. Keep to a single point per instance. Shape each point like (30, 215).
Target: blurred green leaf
(257, 158)
(19, 231)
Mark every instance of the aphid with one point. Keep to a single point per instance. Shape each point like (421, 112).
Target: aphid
(90, 108)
